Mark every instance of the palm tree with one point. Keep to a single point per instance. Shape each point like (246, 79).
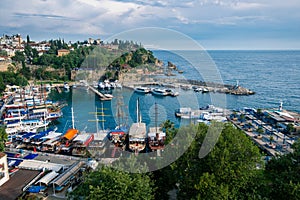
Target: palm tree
(271, 139)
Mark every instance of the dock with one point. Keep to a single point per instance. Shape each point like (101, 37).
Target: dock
(102, 96)
(189, 85)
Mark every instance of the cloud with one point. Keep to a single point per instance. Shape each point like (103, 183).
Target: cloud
(107, 17)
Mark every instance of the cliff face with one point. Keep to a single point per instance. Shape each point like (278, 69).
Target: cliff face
(134, 61)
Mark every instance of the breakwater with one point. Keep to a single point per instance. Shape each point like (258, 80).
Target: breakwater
(190, 84)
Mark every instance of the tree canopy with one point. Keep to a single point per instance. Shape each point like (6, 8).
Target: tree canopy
(109, 183)
(3, 138)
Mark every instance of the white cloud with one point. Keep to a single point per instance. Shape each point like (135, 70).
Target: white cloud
(107, 17)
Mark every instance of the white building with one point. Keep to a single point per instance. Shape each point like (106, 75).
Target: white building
(4, 175)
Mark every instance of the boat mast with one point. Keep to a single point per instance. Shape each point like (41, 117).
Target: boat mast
(156, 116)
(73, 126)
(137, 110)
(102, 116)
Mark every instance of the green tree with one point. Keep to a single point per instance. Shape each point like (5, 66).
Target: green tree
(18, 57)
(283, 175)
(109, 183)
(3, 53)
(3, 138)
(290, 128)
(227, 170)
(27, 39)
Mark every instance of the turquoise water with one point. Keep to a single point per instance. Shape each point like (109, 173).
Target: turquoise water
(273, 75)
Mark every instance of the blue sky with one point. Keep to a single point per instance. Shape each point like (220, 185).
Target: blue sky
(215, 24)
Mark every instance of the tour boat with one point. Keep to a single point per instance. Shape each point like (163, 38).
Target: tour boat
(172, 92)
(159, 92)
(156, 138)
(142, 90)
(137, 134)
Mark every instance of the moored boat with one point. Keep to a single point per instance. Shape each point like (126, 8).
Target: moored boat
(142, 90)
(137, 134)
(159, 92)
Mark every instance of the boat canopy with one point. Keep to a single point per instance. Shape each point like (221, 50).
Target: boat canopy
(152, 132)
(39, 111)
(70, 134)
(84, 139)
(52, 135)
(137, 130)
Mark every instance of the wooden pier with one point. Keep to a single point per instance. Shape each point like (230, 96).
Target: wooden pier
(102, 96)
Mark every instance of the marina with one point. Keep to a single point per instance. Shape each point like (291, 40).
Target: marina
(40, 134)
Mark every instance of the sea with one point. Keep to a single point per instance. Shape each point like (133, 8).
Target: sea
(274, 76)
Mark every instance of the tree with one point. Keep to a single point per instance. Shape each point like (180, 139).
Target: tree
(27, 39)
(260, 130)
(226, 171)
(18, 57)
(3, 138)
(3, 53)
(109, 183)
(283, 175)
(290, 128)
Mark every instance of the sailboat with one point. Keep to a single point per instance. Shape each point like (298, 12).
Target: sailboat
(156, 137)
(137, 133)
(98, 146)
(66, 140)
(118, 135)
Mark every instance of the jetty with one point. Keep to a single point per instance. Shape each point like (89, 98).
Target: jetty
(102, 96)
(188, 85)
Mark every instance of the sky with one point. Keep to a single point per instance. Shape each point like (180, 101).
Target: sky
(214, 24)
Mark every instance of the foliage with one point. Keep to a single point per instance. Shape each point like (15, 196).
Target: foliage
(260, 130)
(224, 172)
(290, 128)
(19, 57)
(3, 138)
(11, 78)
(229, 171)
(3, 53)
(109, 183)
(283, 175)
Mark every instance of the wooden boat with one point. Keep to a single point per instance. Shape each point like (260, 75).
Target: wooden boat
(156, 137)
(137, 134)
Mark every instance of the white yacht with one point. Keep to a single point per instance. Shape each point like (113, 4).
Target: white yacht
(159, 92)
(143, 90)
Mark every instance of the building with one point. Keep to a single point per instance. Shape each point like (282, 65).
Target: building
(14, 40)
(4, 175)
(62, 52)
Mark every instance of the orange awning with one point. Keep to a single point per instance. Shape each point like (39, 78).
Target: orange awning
(70, 134)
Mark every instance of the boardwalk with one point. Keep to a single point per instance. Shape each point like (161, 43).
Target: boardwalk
(102, 96)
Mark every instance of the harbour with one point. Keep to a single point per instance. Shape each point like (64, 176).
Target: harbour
(91, 126)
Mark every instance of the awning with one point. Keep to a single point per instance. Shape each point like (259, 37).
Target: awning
(48, 177)
(70, 134)
(39, 165)
(84, 139)
(61, 179)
